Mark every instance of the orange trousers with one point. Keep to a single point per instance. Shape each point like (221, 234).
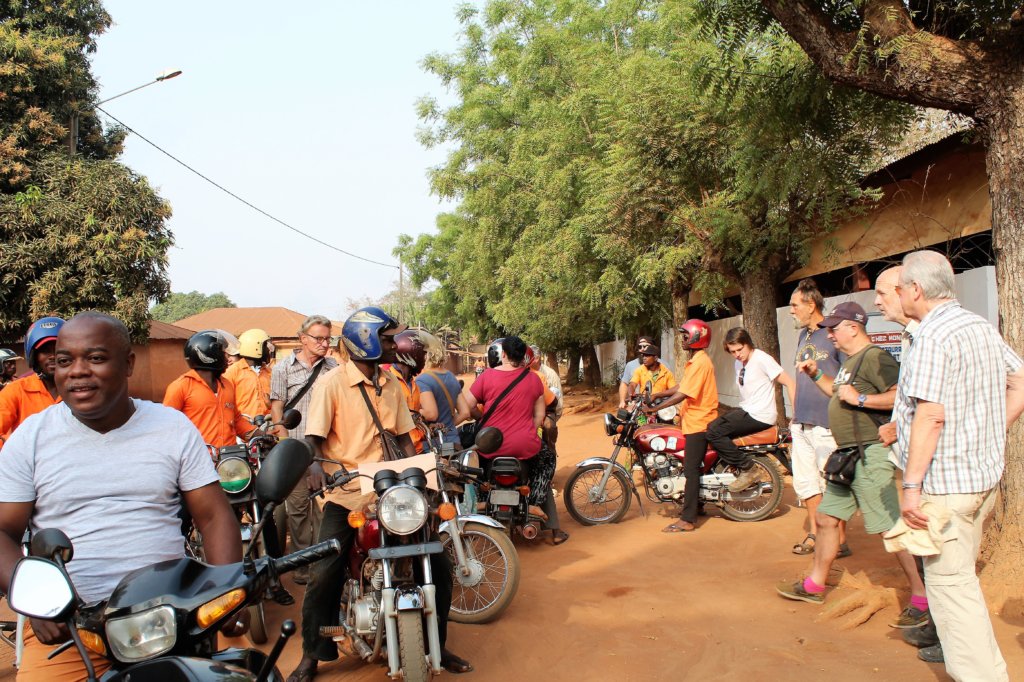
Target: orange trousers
(67, 667)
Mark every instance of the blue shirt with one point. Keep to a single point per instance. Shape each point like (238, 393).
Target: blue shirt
(429, 383)
(631, 367)
(811, 402)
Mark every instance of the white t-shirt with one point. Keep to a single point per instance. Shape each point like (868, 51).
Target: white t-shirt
(757, 394)
(115, 494)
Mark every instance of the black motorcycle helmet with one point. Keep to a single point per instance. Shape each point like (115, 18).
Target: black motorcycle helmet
(494, 352)
(206, 350)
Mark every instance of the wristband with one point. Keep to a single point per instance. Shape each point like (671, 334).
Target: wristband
(817, 377)
(910, 486)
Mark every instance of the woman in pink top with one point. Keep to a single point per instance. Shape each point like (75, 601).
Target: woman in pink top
(518, 415)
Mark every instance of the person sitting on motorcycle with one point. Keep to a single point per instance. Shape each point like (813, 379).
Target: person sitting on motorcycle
(441, 392)
(341, 428)
(410, 356)
(553, 383)
(33, 393)
(518, 415)
(8, 366)
(698, 394)
(251, 375)
(756, 374)
(630, 369)
(111, 472)
(651, 369)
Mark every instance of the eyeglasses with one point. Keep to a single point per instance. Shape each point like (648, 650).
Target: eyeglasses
(743, 370)
(320, 340)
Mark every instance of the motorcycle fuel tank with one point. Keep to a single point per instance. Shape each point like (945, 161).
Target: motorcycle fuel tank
(671, 440)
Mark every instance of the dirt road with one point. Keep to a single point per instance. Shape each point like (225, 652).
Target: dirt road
(627, 602)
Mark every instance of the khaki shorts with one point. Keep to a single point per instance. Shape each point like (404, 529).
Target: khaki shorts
(873, 492)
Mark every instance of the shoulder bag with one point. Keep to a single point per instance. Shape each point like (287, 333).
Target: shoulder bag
(467, 432)
(306, 386)
(388, 443)
(841, 465)
(447, 394)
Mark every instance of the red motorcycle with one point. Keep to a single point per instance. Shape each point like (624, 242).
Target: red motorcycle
(601, 489)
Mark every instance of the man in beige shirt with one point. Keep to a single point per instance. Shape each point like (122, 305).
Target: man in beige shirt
(340, 427)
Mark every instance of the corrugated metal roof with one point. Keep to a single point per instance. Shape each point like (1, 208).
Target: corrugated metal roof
(933, 125)
(161, 331)
(280, 323)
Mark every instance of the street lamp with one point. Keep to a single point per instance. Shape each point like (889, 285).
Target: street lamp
(73, 127)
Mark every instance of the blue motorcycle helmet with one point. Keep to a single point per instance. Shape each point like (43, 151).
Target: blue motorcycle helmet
(361, 332)
(43, 330)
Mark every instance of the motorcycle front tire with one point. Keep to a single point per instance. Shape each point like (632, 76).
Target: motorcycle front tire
(618, 495)
(411, 647)
(496, 555)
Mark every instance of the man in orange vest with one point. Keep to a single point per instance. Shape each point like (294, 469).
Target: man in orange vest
(251, 374)
(28, 395)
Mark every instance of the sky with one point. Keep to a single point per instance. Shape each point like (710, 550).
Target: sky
(306, 111)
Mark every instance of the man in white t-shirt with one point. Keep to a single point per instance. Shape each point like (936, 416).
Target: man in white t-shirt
(112, 473)
(756, 373)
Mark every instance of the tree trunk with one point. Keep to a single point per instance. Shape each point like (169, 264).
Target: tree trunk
(1003, 550)
(573, 376)
(757, 296)
(551, 360)
(591, 367)
(680, 314)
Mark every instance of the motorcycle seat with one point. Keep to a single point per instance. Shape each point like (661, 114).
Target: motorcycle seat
(769, 436)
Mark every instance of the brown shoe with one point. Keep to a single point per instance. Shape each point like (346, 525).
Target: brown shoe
(744, 480)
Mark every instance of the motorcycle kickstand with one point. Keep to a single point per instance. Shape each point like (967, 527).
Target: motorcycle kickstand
(639, 501)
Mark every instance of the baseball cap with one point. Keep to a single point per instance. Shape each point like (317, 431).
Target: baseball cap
(848, 311)
(650, 349)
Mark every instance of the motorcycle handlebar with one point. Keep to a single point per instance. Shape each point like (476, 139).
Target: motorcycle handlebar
(304, 557)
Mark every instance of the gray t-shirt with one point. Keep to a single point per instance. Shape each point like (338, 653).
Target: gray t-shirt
(811, 403)
(115, 494)
(630, 369)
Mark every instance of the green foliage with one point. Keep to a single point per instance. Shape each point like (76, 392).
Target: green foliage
(89, 235)
(178, 306)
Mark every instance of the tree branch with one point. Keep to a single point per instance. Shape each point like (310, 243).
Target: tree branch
(928, 70)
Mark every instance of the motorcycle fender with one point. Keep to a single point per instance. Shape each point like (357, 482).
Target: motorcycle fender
(602, 461)
(470, 518)
(409, 600)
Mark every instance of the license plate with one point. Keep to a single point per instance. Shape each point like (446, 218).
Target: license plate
(504, 497)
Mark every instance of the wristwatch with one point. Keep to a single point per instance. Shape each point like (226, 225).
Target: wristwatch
(906, 485)
(860, 400)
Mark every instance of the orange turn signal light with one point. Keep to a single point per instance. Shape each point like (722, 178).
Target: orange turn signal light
(356, 519)
(92, 642)
(447, 511)
(215, 609)
(524, 490)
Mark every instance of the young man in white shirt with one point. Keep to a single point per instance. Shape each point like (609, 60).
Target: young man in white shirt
(756, 373)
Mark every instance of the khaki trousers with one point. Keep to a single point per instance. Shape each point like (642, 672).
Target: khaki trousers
(303, 520)
(954, 593)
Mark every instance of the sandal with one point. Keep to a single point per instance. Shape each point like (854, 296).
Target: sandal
(844, 551)
(301, 674)
(558, 536)
(805, 547)
(679, 527)
(454, 664)
(282, 596)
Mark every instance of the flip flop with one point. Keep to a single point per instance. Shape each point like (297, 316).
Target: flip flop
(805, 547)
(844, 551)
(558, 536)
(302, 675)
(455, 664)
(282, 596)
(677, 528)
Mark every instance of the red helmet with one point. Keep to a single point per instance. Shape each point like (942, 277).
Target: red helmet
(696, 334)
(411, 351)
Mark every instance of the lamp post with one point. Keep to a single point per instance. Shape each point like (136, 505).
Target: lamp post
(73, 126)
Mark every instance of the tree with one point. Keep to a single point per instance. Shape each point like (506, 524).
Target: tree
(178, 306)
(964, 57)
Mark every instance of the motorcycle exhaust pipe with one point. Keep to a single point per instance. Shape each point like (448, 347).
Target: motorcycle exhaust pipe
(531, 530)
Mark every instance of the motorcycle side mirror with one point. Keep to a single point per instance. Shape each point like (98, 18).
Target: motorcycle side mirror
(40, 589)
(282, 469)
(50, 543)
(291, 419)
(489, 439)
(648, 387)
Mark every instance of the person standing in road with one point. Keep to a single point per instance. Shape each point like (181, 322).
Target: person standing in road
(960, 387)
(441, 393)
(8, 366)
(37, 391)
(861, 395)
(291, 383)
(630, 369)
(812, 439)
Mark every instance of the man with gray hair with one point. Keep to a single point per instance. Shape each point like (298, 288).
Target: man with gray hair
(952, 445)
(291, 383)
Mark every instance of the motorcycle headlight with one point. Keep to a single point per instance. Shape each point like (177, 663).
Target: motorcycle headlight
(143, 635)
(235, 474)
(402, 509)
(609, 424)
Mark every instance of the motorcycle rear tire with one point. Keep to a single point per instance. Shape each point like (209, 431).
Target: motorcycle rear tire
(411, 647)
(493, 549)
(771, 472)
(257, 616)
(579, 485)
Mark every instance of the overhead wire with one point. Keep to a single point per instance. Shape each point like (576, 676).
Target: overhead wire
(244, 201)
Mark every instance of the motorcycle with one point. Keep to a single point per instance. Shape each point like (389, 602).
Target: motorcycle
(513, 491)
(601, 489)
(485, 563)
(162, 621)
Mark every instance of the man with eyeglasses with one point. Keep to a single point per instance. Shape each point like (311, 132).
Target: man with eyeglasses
(861, 396)
(291, 383)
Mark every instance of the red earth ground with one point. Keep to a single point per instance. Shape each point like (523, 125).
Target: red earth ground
(628, 602)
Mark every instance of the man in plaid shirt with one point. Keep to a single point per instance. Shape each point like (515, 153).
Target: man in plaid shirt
(952, 444)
